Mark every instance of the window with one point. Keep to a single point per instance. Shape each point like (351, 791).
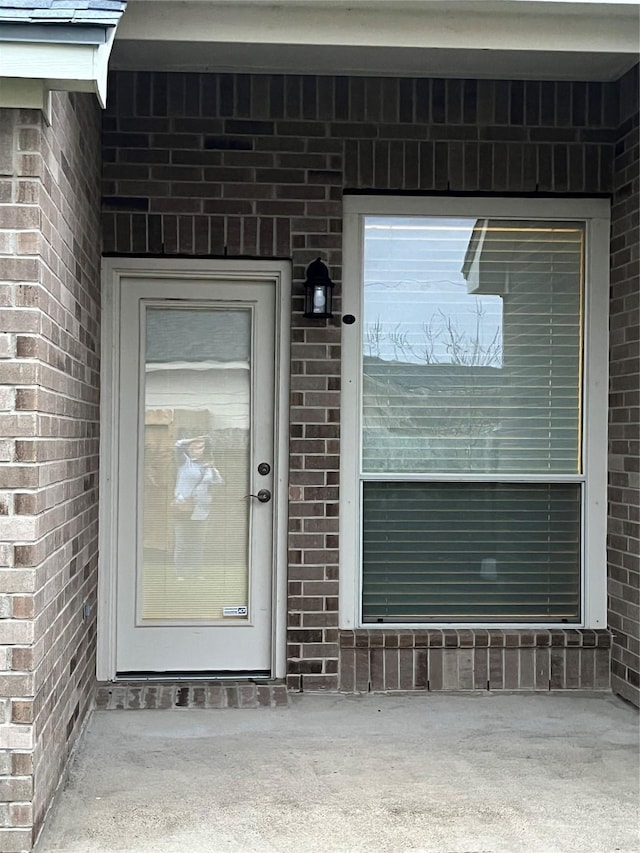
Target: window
(475, 395)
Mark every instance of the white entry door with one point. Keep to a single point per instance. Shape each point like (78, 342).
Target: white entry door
(195, 556)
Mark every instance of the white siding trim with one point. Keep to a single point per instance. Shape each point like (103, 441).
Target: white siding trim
(596, 384)
(350, 551)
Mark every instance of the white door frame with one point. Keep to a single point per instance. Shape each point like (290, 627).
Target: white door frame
(114, 270)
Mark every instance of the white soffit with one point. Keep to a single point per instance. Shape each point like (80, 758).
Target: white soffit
(520, 39)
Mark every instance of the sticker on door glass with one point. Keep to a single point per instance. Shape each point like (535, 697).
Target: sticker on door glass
(240, 610)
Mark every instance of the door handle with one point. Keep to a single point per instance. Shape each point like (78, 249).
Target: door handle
(264, 496)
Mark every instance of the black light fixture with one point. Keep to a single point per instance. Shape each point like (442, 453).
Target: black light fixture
(317, 291)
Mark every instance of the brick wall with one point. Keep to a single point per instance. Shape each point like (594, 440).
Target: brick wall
(474, 660)
(49, 316)
(624, 402)
(231, 165)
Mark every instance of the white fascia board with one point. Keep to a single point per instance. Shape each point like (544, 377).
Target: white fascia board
(67, 67)
(101, 66)
(419, 24)
(41, 61)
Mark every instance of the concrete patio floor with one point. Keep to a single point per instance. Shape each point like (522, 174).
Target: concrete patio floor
(437, 773)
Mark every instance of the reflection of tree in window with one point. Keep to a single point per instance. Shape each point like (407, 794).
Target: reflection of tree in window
(432, 351)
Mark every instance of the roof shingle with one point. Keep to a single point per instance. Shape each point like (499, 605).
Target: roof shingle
(99, 12)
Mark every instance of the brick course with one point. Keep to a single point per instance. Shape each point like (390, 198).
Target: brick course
(49, 315)
(624, 401)
(209, 695)
(437, 659)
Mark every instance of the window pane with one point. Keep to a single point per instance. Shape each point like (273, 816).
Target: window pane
(471, 347)
(471, 552)
(197, 399)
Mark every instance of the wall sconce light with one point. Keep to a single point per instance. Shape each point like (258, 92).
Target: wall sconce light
(317, 291)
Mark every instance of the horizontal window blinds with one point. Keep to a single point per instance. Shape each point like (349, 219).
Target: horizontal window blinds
(471, 347)
(471, 552)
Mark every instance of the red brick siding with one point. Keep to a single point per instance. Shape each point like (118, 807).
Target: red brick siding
(233, 165)
(50, 316)
(624, 402)
(435, 659)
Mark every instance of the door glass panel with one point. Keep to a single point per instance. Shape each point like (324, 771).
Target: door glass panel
(193, 553)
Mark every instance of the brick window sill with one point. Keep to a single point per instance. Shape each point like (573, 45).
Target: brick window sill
(451, 638)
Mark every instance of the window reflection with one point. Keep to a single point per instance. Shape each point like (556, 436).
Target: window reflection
(471, 345)
(196, 463)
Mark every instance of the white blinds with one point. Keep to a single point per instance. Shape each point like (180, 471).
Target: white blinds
(471, 348)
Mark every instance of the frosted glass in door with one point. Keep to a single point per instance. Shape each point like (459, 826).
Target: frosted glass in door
(193, 551)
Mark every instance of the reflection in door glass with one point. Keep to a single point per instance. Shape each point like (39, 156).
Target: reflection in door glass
(196, 465)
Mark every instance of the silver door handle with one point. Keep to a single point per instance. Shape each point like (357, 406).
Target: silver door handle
(264, 496)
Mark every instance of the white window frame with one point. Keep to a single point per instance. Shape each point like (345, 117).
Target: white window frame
(595, 213)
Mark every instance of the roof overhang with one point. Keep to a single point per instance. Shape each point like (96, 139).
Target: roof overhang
(48, 45)
(31, 68)
(517, 39)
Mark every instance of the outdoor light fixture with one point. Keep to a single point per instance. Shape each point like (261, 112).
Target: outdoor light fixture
(317, 291)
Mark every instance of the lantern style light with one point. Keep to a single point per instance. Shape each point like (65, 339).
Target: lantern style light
(317, 291)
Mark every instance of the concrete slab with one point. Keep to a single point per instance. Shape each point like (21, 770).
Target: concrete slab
(434, 773)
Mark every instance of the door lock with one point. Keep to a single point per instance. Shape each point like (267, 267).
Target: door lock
(264, 468)
(264, 496)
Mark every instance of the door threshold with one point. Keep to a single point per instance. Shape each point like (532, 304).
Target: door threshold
(171, 677)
